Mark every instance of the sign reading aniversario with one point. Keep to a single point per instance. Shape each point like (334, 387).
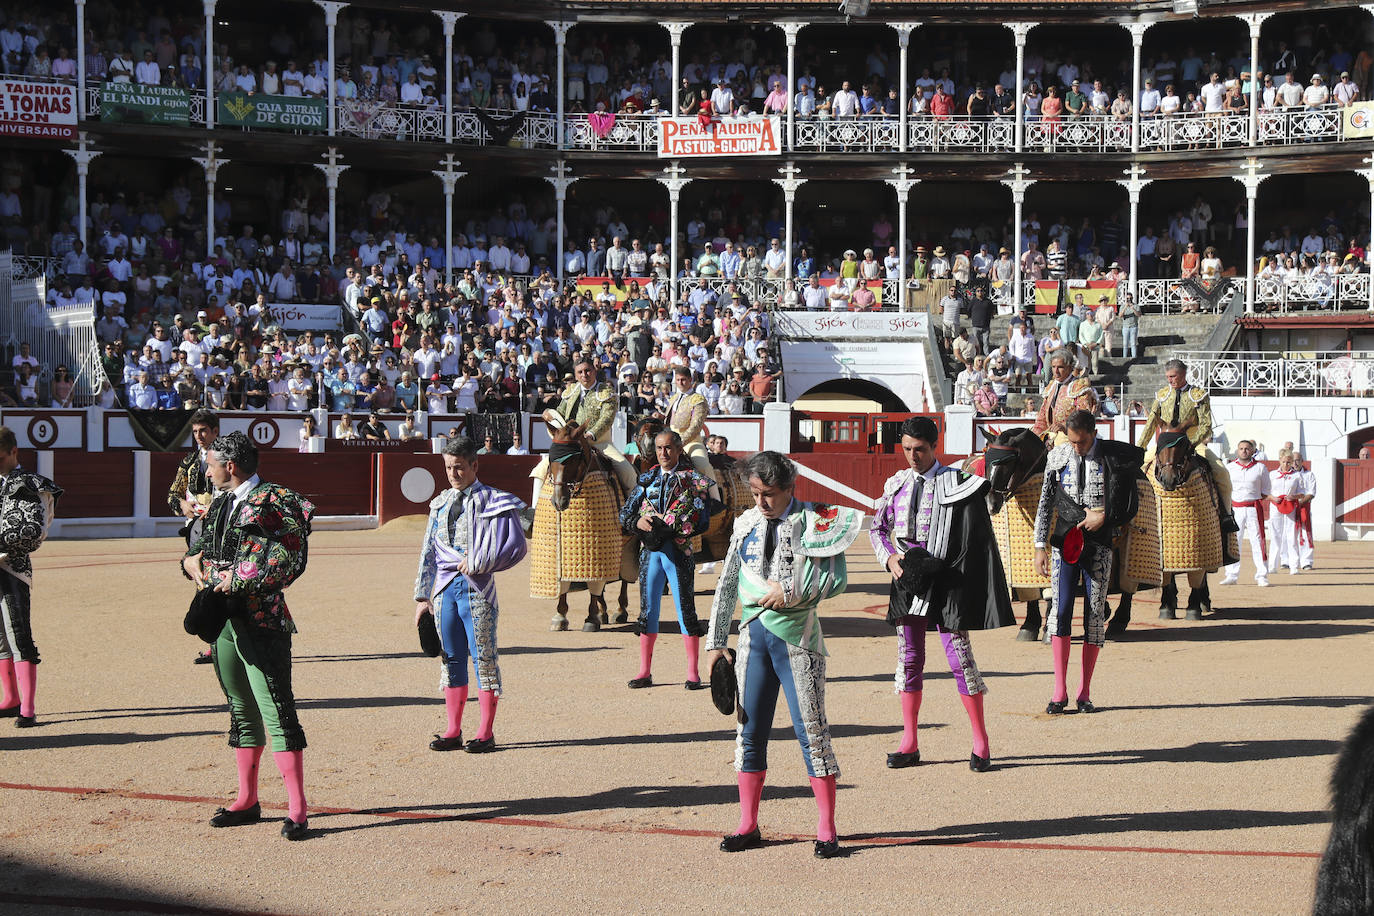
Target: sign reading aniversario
(32, 109)
(686, 138)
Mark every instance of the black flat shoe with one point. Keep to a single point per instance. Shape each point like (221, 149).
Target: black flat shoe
(294, 831)
(9, 712)
(440, 743)
(25, 721)
(900, 761)
(827, 849)
(204, 658)
(226, 818)
(696, 685)
(1057, 708)
(481, 745)
(738, 842)
(639, 682)
(1087, 706)
(979, 764)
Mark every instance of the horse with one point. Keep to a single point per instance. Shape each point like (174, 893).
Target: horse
(1189, 504)
(1345, 878)
(1014, 464)
(582, 540)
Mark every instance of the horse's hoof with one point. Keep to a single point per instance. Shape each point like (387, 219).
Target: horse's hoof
(558, 624)
(622, 617)
(1168, 613)
(591, 626)
(1115, 629)
(1193, 613)
(1024, 635)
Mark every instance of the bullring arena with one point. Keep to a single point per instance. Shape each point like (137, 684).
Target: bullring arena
(1200, 788)
(362, 233)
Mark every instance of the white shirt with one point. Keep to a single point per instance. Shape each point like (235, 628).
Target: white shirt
(1212, 96)
(148, 73)
(1248, 483)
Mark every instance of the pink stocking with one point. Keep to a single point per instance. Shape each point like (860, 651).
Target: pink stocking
(750, 793)
(292, 769)
(1089, 662)
(486, 702)
(646, 653)
(911, 712)
(247, 760)
(1060, 646)
(9, 687)
(824, 787)
(455, 698)
(693, 644)
(973, 705)
(27, 674)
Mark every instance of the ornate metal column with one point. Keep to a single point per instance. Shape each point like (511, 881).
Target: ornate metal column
(449, 176)
(561, 181)
(450, 19)
(83, 156)
(1018, 183)
(1134, 183)
(1019, 31)
(674, 180)
(211, 164)
(902, 184)
(332, 169)
(789, 182)
(904, 30)
(331, 20)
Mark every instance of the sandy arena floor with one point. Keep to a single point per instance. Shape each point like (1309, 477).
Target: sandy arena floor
(1201, 789)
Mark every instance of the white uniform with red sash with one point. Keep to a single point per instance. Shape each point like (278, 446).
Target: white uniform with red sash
(1249, 489)
(1285, 486)
(1309, 488)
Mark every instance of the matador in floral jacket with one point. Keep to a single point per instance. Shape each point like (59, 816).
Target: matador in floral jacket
(252, 546)
(667, 507)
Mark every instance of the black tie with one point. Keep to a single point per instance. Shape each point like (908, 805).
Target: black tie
(914, 513)
(1082, 476)
(1054, 399)
(1178, 399)
(218, 521)
(455, 512)
(770, 540)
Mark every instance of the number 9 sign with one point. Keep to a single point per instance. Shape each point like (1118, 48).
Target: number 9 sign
(42, 432)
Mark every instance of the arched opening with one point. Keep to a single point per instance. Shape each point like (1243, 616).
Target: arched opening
(852, 395)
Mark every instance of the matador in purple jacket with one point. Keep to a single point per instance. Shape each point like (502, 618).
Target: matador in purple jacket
(473, 532)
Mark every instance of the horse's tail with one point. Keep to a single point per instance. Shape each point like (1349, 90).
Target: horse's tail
(1345, 880)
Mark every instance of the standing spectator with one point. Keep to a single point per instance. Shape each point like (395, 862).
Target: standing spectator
(1129, 317)
(980, 309)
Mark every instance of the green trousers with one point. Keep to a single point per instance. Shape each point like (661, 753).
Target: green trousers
(254, 669)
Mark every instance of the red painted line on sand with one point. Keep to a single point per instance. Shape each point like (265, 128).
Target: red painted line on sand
(673, 831)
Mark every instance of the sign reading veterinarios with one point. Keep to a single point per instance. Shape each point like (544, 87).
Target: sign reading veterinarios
(290, 317)
(272, 112)
(31, 109)
(134, 103)
(688, 138)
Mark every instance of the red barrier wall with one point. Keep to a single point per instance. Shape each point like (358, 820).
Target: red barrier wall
(865, 473)
(338, 484)
(94, 484)
(406, 483)
(1353, 478)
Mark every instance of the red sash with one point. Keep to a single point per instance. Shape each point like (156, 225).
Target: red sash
(1259, 506)
(1304, 523)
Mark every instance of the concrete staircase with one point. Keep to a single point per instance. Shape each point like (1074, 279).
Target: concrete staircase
(1162, 337)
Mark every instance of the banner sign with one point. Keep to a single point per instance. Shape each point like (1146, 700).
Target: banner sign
(686, 138)
(272, 112)
(132, 103)
(835, 325)
(1359, 120)
(291, 317)
(30, 109)
(593, 285)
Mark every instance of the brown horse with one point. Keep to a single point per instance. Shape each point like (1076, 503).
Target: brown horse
(576, 467)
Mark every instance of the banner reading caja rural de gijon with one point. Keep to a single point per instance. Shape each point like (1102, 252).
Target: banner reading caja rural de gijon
(272, 112)
(686, 138)
(33, 109)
